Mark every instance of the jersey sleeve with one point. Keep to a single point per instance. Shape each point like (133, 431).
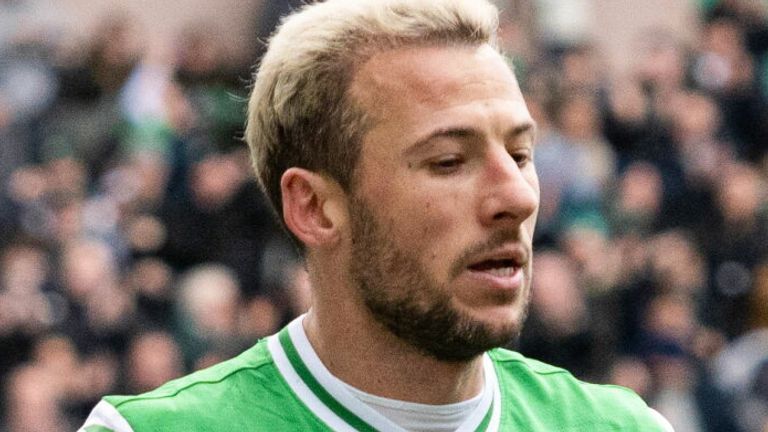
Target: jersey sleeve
(105, 418)
(666, 426)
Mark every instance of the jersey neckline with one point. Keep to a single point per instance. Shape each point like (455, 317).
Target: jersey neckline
(334, 404)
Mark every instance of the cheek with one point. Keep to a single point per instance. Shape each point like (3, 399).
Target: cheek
(430, 227)
(417, 222)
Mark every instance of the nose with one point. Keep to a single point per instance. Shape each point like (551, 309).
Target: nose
(510, 192)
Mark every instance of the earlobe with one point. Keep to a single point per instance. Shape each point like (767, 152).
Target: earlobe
(310, 207)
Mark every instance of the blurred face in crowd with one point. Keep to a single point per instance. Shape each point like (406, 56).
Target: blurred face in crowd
(153, 359)
(445, 199)
(87, 267)
(22, 270)
(739, 193)
(557, 298)
(210, 296)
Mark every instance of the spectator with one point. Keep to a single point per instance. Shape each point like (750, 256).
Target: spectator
(207, 316)
(152, 359)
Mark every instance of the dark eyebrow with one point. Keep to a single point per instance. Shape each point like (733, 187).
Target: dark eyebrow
(528, 127)
(468, 132)
(460, 132)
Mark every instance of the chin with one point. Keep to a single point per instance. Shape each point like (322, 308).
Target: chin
(499, 325)
(497, 315)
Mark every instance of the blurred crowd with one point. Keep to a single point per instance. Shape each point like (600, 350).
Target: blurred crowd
(135, 245)
(652, 250)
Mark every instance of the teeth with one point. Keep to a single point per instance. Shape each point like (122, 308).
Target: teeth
(502, 271)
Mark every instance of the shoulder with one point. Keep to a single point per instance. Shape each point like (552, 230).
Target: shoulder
(213, 396)
(539, 377)
(544, 388)
(514, 360)
(205, 386)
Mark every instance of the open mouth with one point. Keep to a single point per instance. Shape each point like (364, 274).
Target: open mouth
(496, 267)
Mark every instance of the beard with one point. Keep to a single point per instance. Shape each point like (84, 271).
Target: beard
(401, 295)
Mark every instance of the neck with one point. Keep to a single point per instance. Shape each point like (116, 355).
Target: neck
(361, 352)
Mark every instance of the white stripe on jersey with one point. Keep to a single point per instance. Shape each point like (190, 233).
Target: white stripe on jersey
(106, 415)
(356, 406)
(492, 379)
(301, 389)
(332, 384)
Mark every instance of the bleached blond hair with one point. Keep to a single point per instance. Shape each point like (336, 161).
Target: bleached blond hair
(301, 113)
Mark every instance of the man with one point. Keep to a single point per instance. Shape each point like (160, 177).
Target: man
(395, 142)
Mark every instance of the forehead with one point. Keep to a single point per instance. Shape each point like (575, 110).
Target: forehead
(431, 75)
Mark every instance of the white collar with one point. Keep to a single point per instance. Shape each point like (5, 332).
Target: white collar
(334, 404)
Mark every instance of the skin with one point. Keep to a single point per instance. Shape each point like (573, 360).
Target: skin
(446, 172)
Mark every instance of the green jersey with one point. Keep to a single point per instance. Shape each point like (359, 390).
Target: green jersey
(281, 385)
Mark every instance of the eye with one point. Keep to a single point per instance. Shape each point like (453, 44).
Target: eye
(446, 164)
(521, 158)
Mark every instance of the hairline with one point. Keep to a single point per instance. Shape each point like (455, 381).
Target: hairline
(352, 117)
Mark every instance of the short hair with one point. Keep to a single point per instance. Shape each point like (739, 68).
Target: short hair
(301, 113)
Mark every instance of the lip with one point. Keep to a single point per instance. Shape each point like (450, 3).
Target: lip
(516, 255)
(510, 283)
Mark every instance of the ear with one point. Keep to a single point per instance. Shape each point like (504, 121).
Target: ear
(313, 207)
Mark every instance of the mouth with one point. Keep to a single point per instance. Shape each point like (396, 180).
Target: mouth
(502, 268)
(499, 269)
